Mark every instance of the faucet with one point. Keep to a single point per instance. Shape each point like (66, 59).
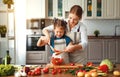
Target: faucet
(116, 29)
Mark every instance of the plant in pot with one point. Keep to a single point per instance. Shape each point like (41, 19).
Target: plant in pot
(3, 30)
(96, 32)
(8, 2)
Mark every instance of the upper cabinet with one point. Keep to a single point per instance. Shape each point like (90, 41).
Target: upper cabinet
(69, 3)
(102, 9)
(54, 8)
(35, 9)
(61, 8)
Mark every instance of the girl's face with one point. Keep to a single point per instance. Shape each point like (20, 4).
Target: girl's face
(73, 20)
(59, 32)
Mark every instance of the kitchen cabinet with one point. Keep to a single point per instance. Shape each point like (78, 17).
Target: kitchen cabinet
(110, 46)
(35, 9)
(118, 50)
(55, 8)
(99, 49)
(7, 43)
(36, 57)
(95, 50)
(67, 4)
(102, 9)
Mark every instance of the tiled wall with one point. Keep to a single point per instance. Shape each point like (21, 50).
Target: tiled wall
(106, 27)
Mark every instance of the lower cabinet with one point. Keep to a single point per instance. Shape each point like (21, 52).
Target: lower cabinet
(36, 57)
(99, 49)
(110, 49)
(95, 50)
(118, 50)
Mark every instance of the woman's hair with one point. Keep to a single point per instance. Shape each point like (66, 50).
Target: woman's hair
(76, 9)
(60, 23)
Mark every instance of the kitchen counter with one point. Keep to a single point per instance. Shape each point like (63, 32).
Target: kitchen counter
(61, 75)
(69, 75)
(104, 37)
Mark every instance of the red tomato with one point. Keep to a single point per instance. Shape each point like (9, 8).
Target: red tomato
(54, 71)
(57, 61)
(89, 64)
(45, 70)
(72, 64)
(103, 68)
(29, 73)
(59, 70)
(32, 73)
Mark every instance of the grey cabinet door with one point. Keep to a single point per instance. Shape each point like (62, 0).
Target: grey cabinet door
(110, 49)
(118, 50)
(95, 50)
(99, 49)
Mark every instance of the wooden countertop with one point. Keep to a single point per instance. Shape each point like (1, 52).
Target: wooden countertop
(70, 75)
(104, 37)
(60, 75)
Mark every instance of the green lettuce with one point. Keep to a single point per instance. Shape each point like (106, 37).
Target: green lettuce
(108, 63)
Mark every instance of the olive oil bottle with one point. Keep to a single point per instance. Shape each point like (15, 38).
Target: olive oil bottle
(7, 58)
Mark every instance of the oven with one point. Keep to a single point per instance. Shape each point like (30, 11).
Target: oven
(35, 54)
(31, 43)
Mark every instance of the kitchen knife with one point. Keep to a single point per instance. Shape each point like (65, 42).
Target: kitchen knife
(57, 53)
(51, 47)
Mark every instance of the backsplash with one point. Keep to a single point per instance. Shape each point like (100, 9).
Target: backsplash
(106, 27)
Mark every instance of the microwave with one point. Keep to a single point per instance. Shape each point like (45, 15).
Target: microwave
(38, 23)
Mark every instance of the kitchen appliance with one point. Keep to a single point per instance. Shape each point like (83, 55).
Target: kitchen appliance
(35, 54)
(31, 43)
(38, 23)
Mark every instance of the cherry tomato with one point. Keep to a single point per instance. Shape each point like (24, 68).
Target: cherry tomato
(89, 64)
(29, 73)
(46, 70)
(54, 71)
(59, 70)
(72, 64)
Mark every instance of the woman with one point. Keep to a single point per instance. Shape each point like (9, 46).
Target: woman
(77, 32)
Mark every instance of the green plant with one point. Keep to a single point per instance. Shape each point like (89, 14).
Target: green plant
(3, 29)
(97, 32)
(8, 2)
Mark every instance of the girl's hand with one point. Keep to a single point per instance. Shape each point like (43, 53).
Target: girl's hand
(43, 41)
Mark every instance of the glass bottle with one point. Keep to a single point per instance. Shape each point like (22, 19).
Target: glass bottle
(7, 58)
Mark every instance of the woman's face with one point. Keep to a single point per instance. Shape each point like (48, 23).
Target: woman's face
(59, 32)
(73, 20)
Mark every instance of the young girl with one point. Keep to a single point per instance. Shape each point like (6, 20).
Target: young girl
(59, 41)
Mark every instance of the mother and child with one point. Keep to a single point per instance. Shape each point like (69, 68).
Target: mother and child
(68, 39)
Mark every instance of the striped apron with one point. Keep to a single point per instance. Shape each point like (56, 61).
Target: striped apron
(79, 55)
(61, 45)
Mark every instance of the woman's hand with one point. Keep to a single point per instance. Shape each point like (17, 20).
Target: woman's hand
(73, 48)
(69, 48)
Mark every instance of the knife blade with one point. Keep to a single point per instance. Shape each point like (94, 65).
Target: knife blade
(51, 47)
(57, 53)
